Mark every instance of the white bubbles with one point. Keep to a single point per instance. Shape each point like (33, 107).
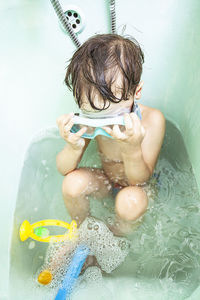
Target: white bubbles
(89, 226)
(91, 274)
(109, 250)
(44, 162)
(31, 245)
(96, 227)
(57, 260)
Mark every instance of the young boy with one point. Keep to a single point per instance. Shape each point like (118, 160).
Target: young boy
(104, 74)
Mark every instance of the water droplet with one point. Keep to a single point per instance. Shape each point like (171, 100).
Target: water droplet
(109, 220)
(89, 226)
(96, 227)
(31, 245)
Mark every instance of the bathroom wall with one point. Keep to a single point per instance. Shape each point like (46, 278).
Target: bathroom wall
(33, 56)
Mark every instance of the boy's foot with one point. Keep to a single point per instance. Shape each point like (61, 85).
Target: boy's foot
(90, 262)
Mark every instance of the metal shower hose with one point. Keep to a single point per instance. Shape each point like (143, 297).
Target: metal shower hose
(113, 16)
(58, 9)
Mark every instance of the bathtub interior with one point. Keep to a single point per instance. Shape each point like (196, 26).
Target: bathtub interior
(145, 273)
(35, 50)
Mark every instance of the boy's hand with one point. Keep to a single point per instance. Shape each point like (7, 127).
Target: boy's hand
(134, 131)
(65, 123)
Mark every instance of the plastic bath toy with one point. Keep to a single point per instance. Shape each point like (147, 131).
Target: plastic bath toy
(73, 272)
(39, 233)
(45, 277)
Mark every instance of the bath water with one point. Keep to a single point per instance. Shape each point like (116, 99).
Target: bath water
(164, 256)
(166, 245)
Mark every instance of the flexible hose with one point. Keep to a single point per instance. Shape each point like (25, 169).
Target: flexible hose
(113, 16)
(58, 9)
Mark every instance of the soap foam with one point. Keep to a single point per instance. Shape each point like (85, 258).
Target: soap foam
(57, 260)
(109, 250)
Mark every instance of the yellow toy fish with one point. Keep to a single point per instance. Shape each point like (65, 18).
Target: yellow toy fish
(39, 233)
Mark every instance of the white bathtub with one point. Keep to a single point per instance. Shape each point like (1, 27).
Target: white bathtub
(34, 53)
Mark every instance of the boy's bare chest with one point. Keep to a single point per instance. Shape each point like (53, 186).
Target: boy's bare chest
(109, 148)
(111, 158)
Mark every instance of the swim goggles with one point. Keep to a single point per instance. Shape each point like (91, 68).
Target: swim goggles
(94, 125)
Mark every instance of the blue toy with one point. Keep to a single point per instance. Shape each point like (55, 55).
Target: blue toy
(73, 272)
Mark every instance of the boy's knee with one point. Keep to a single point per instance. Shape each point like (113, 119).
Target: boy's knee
(74, 184)
(131, 203)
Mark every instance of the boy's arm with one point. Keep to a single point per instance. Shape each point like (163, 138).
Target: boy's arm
(68, 159)
(136, 169)
(140, 159)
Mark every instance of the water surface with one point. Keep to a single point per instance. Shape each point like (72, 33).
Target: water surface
(164, 259)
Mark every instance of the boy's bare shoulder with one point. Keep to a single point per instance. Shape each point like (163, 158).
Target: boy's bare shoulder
(152, 116)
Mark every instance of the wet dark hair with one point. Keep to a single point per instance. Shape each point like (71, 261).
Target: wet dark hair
(95, 66)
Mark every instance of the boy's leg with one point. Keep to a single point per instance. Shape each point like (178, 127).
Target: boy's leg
(76, 188)
(78, 185)
(130, 204)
